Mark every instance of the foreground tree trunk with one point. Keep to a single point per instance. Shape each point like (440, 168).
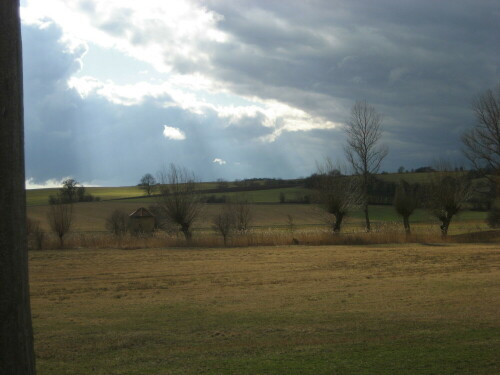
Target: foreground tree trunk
(185, 229)
(406, 224)
(16, 336)
(445, 224)
(367, 218)
(338, 223)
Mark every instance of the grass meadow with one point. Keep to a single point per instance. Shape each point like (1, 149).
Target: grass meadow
(360, 310)
(286, 297)
(36, 197)
(89, 219)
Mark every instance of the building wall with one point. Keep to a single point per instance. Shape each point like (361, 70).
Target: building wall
(141, 224)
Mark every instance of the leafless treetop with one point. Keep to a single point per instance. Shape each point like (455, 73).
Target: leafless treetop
(364, 131)
(482, 143)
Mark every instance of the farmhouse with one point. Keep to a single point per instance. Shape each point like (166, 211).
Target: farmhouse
(141, 221)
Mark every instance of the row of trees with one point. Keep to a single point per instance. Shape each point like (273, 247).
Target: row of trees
(178, 204)
(445, 192)
(444, 195)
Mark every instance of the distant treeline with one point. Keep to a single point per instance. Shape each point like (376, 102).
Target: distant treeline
(382, 192)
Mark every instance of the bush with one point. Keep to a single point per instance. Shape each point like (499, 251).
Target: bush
(34, 233)
(215, 199)
(493, 218)
(117, 223)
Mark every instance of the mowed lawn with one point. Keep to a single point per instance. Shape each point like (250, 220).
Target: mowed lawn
(392, 309)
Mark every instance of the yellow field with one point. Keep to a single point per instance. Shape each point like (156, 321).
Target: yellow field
(397, 309)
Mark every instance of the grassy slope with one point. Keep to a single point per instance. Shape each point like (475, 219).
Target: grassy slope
(40, 196)
(92, 216)
(412, 178)
(295, 310)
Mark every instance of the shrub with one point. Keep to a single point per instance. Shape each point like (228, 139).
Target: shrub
(117, 223)
(493, 218)
(34, 233)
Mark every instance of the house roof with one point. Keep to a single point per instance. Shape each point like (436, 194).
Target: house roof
(141, 212)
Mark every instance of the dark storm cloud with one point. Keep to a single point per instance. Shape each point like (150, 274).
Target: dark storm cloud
(95, 140)
(419, 63)
(50, 120)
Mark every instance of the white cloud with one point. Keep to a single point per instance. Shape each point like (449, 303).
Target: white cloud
(279, 116)
(166, 37)
(219, 161)
(173, 133)
(137, 29)
(30, 183)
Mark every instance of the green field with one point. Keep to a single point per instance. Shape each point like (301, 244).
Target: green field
(391, 309)
(41, 196)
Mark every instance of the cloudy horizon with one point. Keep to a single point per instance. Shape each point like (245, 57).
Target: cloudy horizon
(243, 89)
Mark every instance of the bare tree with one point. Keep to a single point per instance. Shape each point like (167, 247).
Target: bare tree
(68, 193)
(363, 152)
(60, 217)
(147, 183)
(446, 194)
(117, 223)
(224, 221)
(16, 335)
(69, 190)
(337, 193)
(493, 218)
(178, 198)
(242, 213)
(405, 202)
(482, 143)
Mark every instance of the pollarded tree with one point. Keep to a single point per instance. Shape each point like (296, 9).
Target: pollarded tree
(446, 194)
(242, 213)
(16, 335)
(60, 217)
(224, 221)
(405, 202)
(147, 183)
(178, 198)
(363, 151)
(337, 193)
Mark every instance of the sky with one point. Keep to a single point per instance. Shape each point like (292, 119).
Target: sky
(237, 89)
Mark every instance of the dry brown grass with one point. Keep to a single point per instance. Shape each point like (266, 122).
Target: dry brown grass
(290, 273)
(383, 234)
(269, 227)
(191, 311)
(92, 216)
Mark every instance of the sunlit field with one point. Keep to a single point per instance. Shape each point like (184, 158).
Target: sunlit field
(379, 309)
